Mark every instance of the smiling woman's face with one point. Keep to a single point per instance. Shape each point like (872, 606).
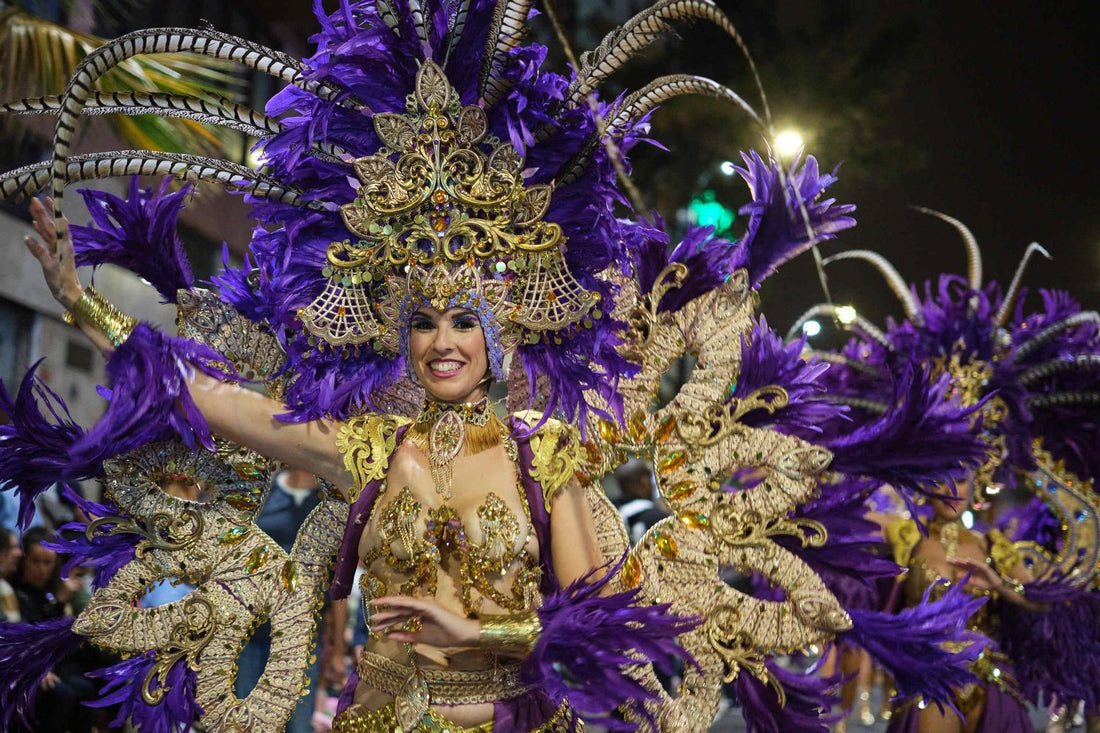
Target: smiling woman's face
(448, 354)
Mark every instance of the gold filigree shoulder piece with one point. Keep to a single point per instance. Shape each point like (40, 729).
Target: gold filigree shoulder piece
(903, 536)
(555, 454)
(367, 442)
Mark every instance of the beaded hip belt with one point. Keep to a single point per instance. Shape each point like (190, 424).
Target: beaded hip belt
(445, 686)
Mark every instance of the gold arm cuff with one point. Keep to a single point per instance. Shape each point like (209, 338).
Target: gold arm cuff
(93, 309)
(510, 631)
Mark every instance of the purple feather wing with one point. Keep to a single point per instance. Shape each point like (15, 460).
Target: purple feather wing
(139, 234)
(586, 641)
(910, 645)
(35, 443)
(173, 713)
(27, 653)
(149, 397)
(808, 697)
(106, 553)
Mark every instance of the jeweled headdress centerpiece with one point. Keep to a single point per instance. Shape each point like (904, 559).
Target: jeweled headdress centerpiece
(444, 219)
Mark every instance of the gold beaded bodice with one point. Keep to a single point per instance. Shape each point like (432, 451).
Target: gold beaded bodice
(451, 521)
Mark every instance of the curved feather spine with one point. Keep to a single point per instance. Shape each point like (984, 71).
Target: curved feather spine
(388, 13)
(1048, 333)
(828, 309)
(841, 360)
(160, 41)
(458, 27)
(1009, 303)
(1055, 366)
(973, 251)
(25, 181)
(621, 44)
(662, 89)
(861, 403)
(416, 12)
(1064, 399)
(892, 276)
(222, 113)
(508, 27)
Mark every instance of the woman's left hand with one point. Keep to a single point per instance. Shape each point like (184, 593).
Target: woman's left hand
(422, 621)
(982, 577)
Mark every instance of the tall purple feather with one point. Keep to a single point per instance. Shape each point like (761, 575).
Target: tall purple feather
(809, 697)
(27, 653)
(586, 641)
(910, 644)
(138, 233)
(777, 229)
(32, 446)
(175, 711)
(149, 398)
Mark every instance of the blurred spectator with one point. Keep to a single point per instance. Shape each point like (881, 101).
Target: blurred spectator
(294, 494)
(43, 596)
(638, 505)
(10, 553)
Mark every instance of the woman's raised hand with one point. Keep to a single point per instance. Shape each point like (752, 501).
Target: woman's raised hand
(54, 253)
(422, 621)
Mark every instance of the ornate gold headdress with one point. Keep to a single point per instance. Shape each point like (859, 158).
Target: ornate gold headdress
(443, 218)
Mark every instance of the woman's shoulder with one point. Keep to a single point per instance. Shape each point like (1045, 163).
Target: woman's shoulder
(367, 441)
(555, 449)
(903, 535)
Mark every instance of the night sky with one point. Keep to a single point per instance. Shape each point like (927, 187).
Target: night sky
(999, 104)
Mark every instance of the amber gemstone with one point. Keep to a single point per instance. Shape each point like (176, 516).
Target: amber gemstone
(671, 462)
(632, 572)
(681, 490)
(439, 197)
(666, 545)
(694, 520)
(609, 431)
(664, 431)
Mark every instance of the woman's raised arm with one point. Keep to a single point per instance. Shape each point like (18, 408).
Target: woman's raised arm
(232, 412)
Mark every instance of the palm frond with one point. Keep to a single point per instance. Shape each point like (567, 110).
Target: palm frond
(38, 56)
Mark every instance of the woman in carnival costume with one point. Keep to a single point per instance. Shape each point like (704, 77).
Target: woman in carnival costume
(1032, 376)
(433, 201)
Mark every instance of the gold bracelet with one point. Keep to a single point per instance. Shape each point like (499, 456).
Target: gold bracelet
(93, 309)
(1015, 585)
(510, 631)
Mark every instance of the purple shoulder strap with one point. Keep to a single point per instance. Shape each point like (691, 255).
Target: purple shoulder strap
(540, 518)
(348, 558)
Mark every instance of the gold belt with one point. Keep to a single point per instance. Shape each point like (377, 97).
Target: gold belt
(357, 719)
(445, 686)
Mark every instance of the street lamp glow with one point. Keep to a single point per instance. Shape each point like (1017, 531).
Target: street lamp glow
(727, 168)
(788, 143)
(811, 328)
(846, 314)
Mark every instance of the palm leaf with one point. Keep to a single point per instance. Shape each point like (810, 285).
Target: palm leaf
(38, 57)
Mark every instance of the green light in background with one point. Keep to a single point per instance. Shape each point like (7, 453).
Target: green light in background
(707, 211)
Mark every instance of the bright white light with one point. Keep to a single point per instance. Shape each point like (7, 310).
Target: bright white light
(727, 168)
(967, 518)
(787, 143)
(846, 314)
(811, 328)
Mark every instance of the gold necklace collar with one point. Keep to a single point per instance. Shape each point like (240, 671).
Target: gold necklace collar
(475, 413)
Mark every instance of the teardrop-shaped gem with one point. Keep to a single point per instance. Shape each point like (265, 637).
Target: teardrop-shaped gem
(256, 559)
(632, 572)
(290, 576)
(233, 536)
(666, 545)
(694, 520)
